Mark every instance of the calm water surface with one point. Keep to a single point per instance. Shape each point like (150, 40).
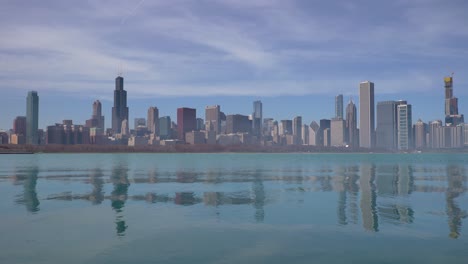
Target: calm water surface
(233, 208)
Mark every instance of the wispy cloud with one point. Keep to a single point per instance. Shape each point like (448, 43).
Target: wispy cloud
(261, 48)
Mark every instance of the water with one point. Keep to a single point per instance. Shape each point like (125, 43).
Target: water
(233, 208)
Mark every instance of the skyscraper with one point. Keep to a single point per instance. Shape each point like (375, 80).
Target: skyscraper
(165, 127)
(257, 117)
(366, 115)
(297, 129)
(452, 117)
(339, 106)
(213, 118)
(351, 125)
(405, 127)
(387, 128)
(238, 124)
(97, 115)
(186, 121)
(337, 132)
(120, 109)
(32, 118)
(420, 134)
(153, 120)
(19, 125)
(314, 133)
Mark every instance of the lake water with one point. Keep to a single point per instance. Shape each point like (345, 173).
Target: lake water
(234, 208)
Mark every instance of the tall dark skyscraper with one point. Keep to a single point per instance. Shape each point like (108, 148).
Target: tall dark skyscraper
(32, 118)
(257, 117)
(186, 121)
(120, 109)
(352, 136)
(339, 106)
(452, 117)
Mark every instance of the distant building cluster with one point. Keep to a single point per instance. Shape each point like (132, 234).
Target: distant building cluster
(390, 128)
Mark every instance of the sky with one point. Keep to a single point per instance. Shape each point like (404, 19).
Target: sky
(294, 56)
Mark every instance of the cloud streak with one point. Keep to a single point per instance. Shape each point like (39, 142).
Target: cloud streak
(255, 48)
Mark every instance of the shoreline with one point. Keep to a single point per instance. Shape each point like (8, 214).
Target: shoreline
(31, 149)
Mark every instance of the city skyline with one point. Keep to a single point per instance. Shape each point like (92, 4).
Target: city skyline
(210, 53)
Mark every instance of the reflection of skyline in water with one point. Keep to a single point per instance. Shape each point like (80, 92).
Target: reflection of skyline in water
(28, 178)
(119, 195)
(455, 177)
(370, 195)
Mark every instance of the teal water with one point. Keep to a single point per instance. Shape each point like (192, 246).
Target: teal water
(233, 208)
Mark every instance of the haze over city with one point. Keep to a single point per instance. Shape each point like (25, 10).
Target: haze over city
(294, 56)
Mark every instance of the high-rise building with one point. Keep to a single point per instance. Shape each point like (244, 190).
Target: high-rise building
(120, 109)
(238, 124)
(337, 132)
(257, 117)
(435, 134)
(352, 136)
(153, 120)
(366, 115)
(213, 118)
(19, 125)
(305, 135)
(405, 126)
(186, 121)
(97, 114)
(314, 133)
(285, 127)
(339, 106)
(452, 117)
(324, 134)
(465, 135)
(165, 127)
(297, 130)
(386, 131)
(32, 118)
(420, 134)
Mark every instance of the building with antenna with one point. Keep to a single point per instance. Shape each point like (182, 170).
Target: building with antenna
(452, 117)
(120, 109)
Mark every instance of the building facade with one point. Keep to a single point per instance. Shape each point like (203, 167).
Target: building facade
(405, 127)
(186, 121)
(153, 120)
(420, 131)
(213, 119)
(238, 124)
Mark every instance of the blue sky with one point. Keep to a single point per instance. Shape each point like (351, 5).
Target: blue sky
(295, 56)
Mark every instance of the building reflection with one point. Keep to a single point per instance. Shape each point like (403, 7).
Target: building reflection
(119, 195)
(96, 180)
(28, 178)
(392, 181)
(348, 191)
(258, 196)
(370, 218)
(456, 178)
